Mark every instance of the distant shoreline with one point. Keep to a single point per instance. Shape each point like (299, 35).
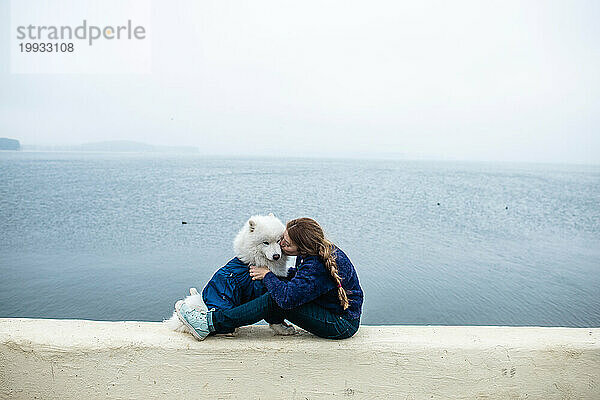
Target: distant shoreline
(118, 146)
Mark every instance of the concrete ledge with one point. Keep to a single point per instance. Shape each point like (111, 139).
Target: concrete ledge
(64, 359)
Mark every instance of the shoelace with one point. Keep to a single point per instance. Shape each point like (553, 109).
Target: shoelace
(196, 313)
(200, 309)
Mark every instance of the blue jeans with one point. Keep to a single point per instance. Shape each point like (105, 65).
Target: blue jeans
(310, 317)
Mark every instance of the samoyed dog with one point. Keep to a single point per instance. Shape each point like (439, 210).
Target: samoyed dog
(257, 243)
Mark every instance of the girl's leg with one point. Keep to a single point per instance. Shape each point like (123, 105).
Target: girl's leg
(311, 317)
(321, 322)
(263, 307)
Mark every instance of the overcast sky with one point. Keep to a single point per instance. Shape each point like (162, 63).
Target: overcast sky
(502, 80)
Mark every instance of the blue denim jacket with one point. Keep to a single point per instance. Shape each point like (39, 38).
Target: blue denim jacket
(231, 286)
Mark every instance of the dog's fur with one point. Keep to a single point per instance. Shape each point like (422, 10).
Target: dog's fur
(255, 244)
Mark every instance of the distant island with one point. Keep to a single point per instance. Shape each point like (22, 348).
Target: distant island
(9, 144)
(116, 146)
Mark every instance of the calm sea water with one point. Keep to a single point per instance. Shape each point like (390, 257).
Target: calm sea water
(99, 236)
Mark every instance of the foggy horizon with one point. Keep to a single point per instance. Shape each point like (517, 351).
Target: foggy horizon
(349, 155)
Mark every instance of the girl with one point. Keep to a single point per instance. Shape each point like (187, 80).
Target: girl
(323, 297)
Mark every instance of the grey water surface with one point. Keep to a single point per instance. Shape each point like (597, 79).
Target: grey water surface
(99, 235)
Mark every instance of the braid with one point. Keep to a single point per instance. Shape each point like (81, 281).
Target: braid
(326, 252)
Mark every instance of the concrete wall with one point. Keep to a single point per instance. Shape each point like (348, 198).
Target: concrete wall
(73, 359)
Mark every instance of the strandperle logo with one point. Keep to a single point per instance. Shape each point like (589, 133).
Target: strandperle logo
(84, 31)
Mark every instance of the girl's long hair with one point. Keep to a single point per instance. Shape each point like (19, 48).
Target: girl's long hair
(308, 236)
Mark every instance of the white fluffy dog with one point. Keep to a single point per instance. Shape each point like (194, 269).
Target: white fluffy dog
(257, 243)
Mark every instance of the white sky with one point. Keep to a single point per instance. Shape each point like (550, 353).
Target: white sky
(480, 80)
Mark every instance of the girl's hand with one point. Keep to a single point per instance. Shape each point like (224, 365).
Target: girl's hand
(258, 273)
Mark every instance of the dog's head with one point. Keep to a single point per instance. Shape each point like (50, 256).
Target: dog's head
(258, 241)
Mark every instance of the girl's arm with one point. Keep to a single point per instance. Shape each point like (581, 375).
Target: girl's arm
(309, 282)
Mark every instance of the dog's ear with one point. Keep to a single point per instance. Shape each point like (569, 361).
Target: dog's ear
(271, 215)
(252, 225)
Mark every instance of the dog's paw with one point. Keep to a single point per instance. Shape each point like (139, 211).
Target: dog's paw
(195, 301)
(193, 291)
(283, 329)
(175, 324)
